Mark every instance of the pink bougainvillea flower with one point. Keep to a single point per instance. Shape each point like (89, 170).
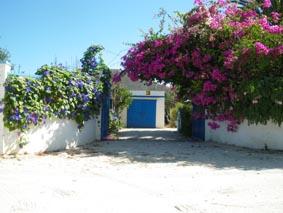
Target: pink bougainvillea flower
(275, 17)
(261, 49)
(213, 125)
(229, 59)
(232, 10)
(276, 51)
(116, 78)
(198, 2)
(218, 75)
(267, 4)
(274, 29)
(209, 87)
(202, 99)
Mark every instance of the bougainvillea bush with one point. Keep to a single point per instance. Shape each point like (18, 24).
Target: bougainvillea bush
(228, 61)
(56, 92)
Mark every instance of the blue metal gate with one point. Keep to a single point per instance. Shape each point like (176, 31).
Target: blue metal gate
(142, 114)
(105, 115)
(198, 125)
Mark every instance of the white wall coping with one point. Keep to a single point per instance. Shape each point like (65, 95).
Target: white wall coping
(142, 93)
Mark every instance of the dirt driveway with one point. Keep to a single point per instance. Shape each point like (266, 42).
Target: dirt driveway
(149, 171)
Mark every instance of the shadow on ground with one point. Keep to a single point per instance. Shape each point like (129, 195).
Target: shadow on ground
(167, 146)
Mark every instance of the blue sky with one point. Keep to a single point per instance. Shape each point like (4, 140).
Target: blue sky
(37, 32)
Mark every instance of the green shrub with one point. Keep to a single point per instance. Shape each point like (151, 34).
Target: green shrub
(115, 124)
(174, 113)
(56, 93)
(186, 120)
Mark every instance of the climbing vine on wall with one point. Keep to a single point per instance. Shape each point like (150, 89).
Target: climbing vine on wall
(56, 92)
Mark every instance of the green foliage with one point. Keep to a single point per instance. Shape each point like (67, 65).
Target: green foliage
(186, 120)
(174, 113)
(121, 98)
(93, 64)
(115, 124)
(56, 93)
(170, 101)
(4, 55)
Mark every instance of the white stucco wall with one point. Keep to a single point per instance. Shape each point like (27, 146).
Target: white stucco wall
(124, 117)
(250, 136)
(55, 135)
(160, 113)
(159, 96)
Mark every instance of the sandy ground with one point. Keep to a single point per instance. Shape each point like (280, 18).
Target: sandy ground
(148, 171)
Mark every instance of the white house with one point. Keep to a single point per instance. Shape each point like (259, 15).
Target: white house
(148, 106)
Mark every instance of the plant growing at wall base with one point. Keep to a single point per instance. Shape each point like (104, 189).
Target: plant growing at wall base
(121, 99)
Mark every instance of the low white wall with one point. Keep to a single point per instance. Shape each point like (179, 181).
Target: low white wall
(55, 135)
(124, 117)
(250, 136)
(160, 112)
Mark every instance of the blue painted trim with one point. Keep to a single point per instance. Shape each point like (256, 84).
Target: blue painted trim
(147, 96)
(198, 125)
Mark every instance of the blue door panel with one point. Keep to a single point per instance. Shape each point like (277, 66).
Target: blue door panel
(142, 114)
(198, 125)
(105, 115)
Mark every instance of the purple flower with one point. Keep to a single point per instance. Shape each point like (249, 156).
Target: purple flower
(28, 89)
(71, 83)
(85, 108)
(48, 100)
(46, 72)
(46, 108)
(33, 118)
(16, 116)
(79, 84)
(25, 110)
(63, 111)
(85, 98)
(8, 88)
(98, 95)
(73, 95)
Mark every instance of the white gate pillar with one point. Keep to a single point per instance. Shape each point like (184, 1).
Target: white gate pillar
(4, 71)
